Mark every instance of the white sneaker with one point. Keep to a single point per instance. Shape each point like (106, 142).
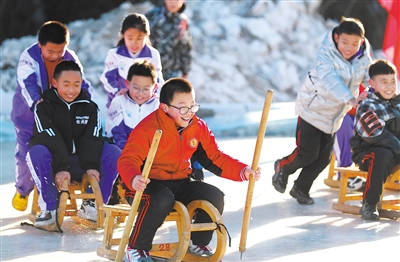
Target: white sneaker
(88, 210)
(355, 184)
(136, 255)
(199, 249)
(45, 218)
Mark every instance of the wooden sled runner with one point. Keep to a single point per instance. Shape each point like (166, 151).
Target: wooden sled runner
(68, 206)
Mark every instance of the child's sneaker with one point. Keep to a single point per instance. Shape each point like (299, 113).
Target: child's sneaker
(20, 202)
(199, 249)
(133, 255)
(45, 218)
(369, 211)
(88, 210)
(355, 184)
(279, 179)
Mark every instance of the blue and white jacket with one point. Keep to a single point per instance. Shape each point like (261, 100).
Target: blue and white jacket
(124, 114)
(117, 64)
(32, 81)
(322, 99)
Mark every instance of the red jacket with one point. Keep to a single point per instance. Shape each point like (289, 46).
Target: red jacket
(172, 160)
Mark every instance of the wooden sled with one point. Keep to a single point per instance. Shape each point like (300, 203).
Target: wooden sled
(68, 206)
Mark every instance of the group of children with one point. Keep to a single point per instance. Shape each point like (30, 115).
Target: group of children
(60, 137)
(59, 132)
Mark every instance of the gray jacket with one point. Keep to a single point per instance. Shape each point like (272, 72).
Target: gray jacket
(322, 99)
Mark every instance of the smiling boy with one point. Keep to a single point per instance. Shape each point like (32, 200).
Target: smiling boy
(67, 142)
(34, 75)
(169, 177)
(127, 110)
(376, 144)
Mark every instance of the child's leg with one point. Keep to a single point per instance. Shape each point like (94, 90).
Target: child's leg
(157, 202)
(22, 118)
(39, 160)
(311, 171)
(197, 190)
(108, 169)
(379, 162)
(308, 139)
(23, 179)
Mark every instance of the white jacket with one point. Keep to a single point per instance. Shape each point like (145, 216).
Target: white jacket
(322, 99)
(124, 114)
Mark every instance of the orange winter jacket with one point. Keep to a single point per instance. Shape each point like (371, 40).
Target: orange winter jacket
(172, 160)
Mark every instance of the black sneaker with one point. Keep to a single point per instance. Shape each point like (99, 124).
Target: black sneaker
(369, 211)
(279, 179)
(301, 197)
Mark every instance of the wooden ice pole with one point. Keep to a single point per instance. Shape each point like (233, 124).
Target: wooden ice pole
(254, 166)
(138, 196)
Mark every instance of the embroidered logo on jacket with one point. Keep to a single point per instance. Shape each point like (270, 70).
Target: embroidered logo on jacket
(370, 122)
(193, 142)
(81, 120)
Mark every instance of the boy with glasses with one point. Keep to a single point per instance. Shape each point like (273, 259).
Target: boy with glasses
(127, 110)
(184, 134)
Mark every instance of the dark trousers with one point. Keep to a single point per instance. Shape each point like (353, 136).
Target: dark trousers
(158, 200)
(312, 154)
(379, 162)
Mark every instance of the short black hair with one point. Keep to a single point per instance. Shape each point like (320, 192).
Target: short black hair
(174, 86)
(381, 67)
(53, 32)
(350, 26)
(142, 68)
(66, 65)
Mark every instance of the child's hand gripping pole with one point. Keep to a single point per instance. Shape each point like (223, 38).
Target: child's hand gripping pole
(138, 196)
(254, 166)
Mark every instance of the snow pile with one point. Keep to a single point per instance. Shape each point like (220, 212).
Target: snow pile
(242, 48)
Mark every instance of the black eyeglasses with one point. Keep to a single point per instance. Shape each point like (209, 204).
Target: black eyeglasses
(184, 110)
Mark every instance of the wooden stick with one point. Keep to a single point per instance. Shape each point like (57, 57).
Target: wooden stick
(254, 166)
(138, 196)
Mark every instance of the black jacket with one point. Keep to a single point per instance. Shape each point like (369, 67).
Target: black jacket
(68, 128)
(377, 123)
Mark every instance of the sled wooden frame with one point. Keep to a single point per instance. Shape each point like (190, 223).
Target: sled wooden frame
(67, 202)
(392, 182)
(387, 208)
(170, 251)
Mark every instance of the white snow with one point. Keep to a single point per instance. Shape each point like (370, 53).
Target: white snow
(241, 49)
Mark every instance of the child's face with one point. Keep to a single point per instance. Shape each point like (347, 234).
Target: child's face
(386, 85)
(134, 39)
(173, 5)
(53, 52)
(348, 45)
(141, 88)
(68, 85)
(180, 100)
